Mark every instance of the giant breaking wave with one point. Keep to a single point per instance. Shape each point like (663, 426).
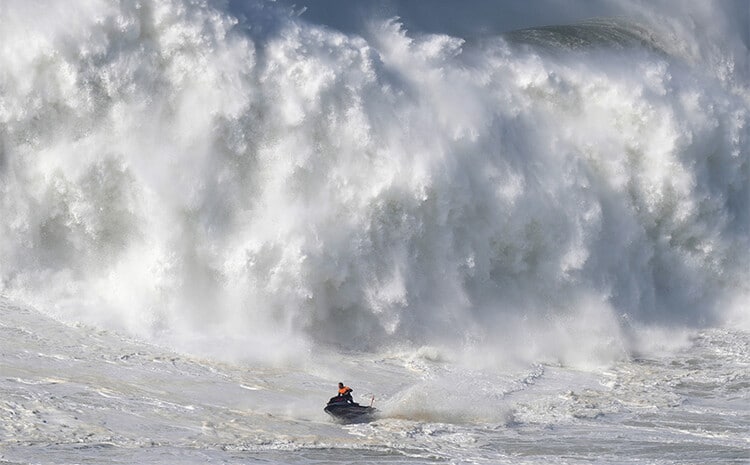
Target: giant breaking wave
(169, 170)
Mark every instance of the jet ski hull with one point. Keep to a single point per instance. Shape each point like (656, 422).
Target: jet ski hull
(347, 412)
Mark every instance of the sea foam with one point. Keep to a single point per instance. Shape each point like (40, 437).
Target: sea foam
(262, 186)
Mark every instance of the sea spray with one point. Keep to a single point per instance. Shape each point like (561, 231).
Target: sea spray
(254, 191)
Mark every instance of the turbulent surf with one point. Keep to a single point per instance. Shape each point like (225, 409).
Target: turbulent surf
(524, 230)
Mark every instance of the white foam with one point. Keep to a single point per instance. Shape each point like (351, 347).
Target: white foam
(253, 195)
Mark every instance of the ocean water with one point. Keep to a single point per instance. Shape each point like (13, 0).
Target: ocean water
(522, 232)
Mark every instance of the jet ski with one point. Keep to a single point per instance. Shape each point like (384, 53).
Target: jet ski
(350, 412)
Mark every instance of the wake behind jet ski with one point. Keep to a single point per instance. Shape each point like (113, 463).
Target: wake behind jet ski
(343, 408)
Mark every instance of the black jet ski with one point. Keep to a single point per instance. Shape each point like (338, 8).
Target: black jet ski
(343, 410)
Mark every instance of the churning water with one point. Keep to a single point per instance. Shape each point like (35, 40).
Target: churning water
(529, 245)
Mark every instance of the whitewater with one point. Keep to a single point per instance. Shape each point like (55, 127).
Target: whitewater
(522, 232)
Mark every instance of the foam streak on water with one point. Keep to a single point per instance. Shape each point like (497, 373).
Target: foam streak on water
(74, 394)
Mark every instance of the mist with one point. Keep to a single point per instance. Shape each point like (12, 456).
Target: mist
(236, 176)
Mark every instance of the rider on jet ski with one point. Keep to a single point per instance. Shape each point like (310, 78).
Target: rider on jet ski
(344, 395)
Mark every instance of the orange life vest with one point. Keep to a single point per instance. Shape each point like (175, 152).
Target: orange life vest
(345, 390)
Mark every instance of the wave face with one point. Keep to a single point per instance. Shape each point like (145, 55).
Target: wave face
(241, 185)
